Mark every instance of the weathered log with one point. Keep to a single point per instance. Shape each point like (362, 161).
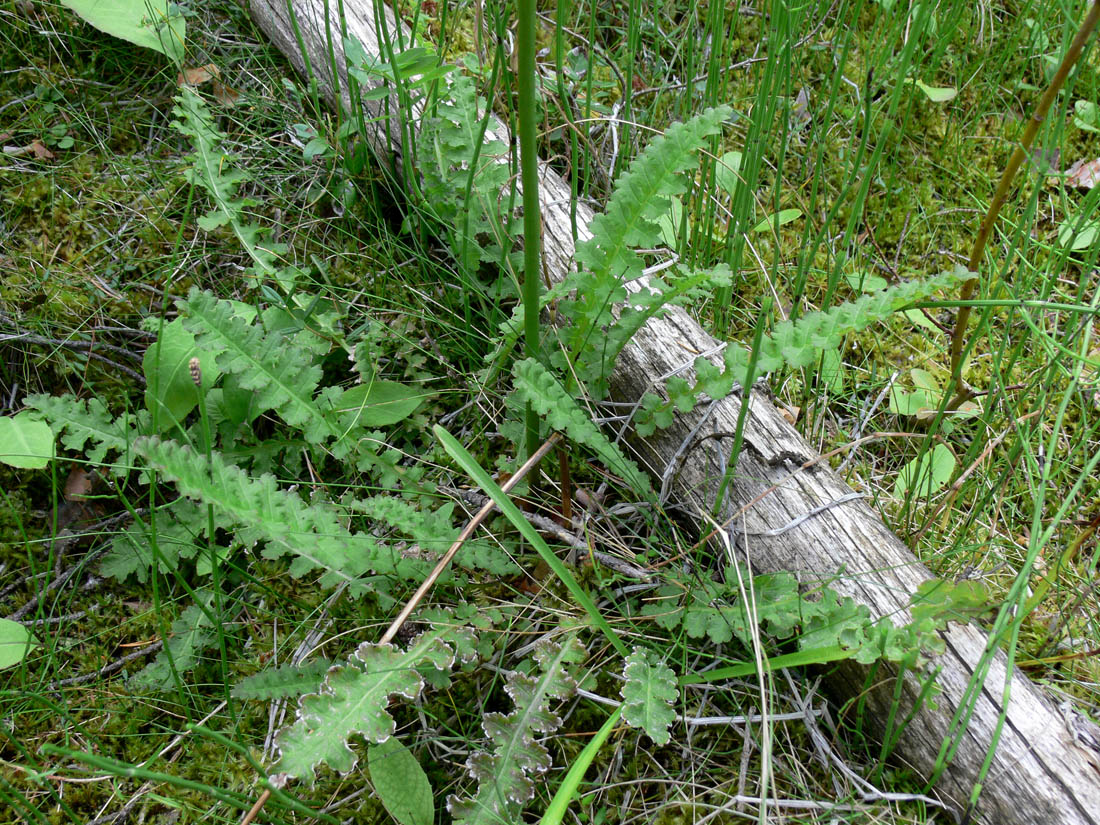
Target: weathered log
(1039, 774)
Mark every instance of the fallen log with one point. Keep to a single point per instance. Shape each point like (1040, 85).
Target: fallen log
(1041, 772)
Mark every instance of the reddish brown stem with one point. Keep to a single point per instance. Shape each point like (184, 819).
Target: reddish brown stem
(962, 392)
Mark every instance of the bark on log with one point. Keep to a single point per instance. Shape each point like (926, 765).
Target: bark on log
(1040, 774)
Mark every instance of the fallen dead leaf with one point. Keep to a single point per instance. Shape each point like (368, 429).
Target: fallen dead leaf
(40, 151)
(790, 414)
(78, 484)
(198, 76)
(225, 95)
(1084, 174)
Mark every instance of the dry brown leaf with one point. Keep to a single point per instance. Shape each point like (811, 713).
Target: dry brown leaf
(1084, 174)
(40, 151)
(225, 95)
(198, 76)
(78, 484)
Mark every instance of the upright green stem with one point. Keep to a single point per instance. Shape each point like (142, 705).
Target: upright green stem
(529, 178)
(963, 393)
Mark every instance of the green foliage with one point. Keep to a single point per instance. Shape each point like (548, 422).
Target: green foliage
(170, 392)
(649, 689)
(938, 601)
(177, 530)
(311, 533)
(926, 473)
(353, 698)
(609, 260)
(153, 24)
(537, 386)
(82, 422)
(815, 621)
(378, 403)
(212, 170)
(276, 368)
(400, 783)
(283, 682)
(505, 772)
(193, 633)
(25, 441)
(16, 641)
(466, 178)
(434, 532)
(796, 344)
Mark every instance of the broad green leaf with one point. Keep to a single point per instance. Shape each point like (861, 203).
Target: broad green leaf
(401, 783)
(380, 403)
(670, 222)
(924, 380)
(919, 319)
(145, 23)
(1087, 116)
(16, 642)
(1078, 235)
(780, 218)
(170, 392)
(727, 172)
(25, 442)
(832, 370)
(926, 474)
(909, 403)
(937, 94)
(924, 398)
(864, 281)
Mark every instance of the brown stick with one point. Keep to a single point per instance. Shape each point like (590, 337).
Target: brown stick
(963, 393)
(467, 531)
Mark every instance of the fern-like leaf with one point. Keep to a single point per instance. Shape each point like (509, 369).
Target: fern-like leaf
(87, 426)
(311, 533)
(505, 773)
(179, 527)
(650, 302)
(283, 376)
(795, 344)
(192, 634)
(354, 697)
(434, 532)
(642, 195)
(648, 694)
(537, 385)
(283, 682)
(211, 170)
(466, 192)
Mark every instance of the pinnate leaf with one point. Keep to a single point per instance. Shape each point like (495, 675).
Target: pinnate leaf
(538, 386)
(354, 698)
(283, 682)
